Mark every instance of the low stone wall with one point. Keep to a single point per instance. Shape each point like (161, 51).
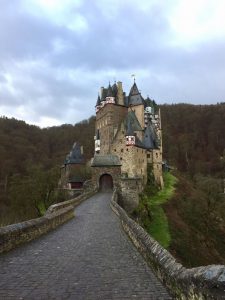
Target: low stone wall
(197, 283)
(74, 202)
(13, 235)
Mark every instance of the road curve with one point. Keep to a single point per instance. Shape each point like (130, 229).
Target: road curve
(90, 257)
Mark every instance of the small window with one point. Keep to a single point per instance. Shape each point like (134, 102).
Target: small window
(121, 150)
(148, 155)
(115, 150)
(120, 158)
(127, 149)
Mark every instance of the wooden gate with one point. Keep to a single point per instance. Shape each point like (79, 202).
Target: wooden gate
(106, 183)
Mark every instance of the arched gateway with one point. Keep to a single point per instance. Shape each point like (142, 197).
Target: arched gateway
(106, 183)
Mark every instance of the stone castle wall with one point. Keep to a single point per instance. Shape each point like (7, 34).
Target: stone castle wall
(115, 172)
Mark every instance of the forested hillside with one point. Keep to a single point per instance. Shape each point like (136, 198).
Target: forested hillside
(194, 138)
(30, 160)
(194, 143)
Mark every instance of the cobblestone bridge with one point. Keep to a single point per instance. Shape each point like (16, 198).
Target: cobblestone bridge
(90, 257)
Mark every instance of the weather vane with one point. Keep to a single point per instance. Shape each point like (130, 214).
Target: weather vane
(134, 76)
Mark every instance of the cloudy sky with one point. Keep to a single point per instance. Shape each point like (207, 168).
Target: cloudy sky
(56, 54)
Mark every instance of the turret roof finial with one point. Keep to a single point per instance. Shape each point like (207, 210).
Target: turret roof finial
(134, 76)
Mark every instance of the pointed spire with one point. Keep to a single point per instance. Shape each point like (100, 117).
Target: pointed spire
(110, 91)
(75, 156)
(134, 90)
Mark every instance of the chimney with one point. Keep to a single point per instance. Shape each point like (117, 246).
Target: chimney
(120, 93)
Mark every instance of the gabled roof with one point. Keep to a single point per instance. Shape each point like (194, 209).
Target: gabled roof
(105, 161)
(75, 156)
(150, 140)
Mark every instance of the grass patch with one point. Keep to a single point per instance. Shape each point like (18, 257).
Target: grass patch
(151, 214)
(159, 228)
(167, 192)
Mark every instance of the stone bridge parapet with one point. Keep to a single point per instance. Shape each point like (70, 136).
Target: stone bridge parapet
(207, 282)
(15, 234)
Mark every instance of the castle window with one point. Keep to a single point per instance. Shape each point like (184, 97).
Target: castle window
(120, 158)
(121, 150)
(156, 155)
(148, 155)
(127, 149)
(115, 150)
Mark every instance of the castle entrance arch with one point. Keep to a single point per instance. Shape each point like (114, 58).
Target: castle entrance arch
(106, 183)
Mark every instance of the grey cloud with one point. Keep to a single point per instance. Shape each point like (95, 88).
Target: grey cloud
(118, 45)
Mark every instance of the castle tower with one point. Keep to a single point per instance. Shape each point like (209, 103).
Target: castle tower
(128, 138)
(109, 116)
(73, 170)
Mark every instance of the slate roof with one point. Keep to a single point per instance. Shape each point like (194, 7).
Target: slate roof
(75, 156)
(108, 160)
(134, 90)
(150, 140)
(131, 123)
(109, 91)
(135, 97)
(114, 89)
(77, 179)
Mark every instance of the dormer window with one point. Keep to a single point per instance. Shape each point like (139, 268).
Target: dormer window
(110, 100)
(130, 140)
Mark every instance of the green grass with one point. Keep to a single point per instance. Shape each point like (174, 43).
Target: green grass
(167, 192)
(41, 208)
(157, 226)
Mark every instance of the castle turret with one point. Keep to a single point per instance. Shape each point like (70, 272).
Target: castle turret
(110, 98)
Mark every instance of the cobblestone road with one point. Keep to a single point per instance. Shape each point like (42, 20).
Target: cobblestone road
(90, 257)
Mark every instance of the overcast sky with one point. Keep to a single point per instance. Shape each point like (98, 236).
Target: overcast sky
(56, 54)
